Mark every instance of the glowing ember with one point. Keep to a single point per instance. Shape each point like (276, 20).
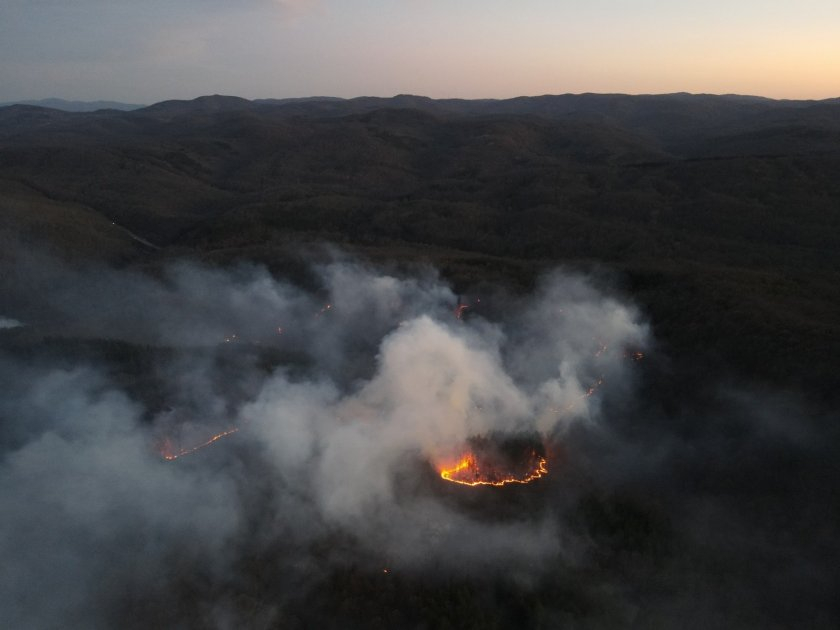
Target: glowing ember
(572, 405)
(169, 453)
(594, 388)
(469, 472)
(497, 461)
(602, 348)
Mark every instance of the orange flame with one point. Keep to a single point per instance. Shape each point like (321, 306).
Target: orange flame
(467, 472)
(168, 453)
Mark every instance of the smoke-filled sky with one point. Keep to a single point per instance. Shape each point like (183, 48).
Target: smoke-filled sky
(144, 52)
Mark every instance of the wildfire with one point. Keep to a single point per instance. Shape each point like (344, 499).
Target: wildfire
(602, 348)
(589, 392)
(472, 469)
(461, 307)
(471, 472)
(594, 388)
(169, 453)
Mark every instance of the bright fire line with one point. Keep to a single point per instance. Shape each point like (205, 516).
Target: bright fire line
(469, 462)
(188, 451)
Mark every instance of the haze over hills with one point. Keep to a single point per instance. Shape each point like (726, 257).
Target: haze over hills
(75, 106)
(641, 293)
(455, 104)
(697, 192)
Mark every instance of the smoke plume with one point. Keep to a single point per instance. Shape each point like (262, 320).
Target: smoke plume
(336, 405)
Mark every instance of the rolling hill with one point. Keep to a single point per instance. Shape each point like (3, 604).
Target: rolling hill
(722, 213)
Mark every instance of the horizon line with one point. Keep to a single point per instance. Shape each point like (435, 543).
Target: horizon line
(33, 101)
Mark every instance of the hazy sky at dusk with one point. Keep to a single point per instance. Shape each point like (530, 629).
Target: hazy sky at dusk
(156, 49)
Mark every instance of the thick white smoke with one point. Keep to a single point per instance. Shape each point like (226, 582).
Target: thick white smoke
(363, 394)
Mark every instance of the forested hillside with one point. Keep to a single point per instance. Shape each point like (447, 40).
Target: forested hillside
(721, 214)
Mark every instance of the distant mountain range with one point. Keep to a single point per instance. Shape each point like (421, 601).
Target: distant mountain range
(687, 125)
(76, 106)
(510, 105)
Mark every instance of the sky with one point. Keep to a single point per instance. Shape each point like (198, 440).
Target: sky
(144, 52)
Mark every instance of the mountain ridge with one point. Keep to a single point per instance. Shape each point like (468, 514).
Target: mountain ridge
(692, 198)
(74, 106)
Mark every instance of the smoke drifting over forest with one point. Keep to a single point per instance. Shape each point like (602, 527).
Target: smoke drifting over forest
(346, 397)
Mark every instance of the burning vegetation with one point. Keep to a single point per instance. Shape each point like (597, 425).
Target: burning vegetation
(169, 451)
(497, 461)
